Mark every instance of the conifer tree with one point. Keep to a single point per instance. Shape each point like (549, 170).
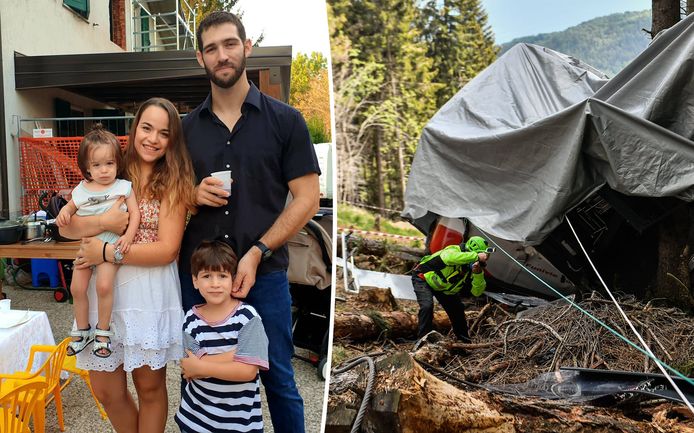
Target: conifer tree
(386, 33)
(409, 59)
(460, 42)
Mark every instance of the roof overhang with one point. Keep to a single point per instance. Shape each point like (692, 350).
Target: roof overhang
(125, 79)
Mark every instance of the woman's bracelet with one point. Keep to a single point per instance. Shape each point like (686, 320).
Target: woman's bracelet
(103, 252)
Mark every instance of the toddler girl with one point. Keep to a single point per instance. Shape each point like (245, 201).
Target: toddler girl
(100, 161)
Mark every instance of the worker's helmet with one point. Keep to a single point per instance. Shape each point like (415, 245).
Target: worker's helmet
(476, 244)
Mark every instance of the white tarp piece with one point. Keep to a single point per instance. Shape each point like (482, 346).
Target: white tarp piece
(400, 285)
(537, 132)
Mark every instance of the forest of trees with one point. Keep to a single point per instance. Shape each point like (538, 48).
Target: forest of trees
(395, 62)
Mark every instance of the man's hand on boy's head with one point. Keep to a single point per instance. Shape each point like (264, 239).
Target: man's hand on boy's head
(245, 274)
(210, 193)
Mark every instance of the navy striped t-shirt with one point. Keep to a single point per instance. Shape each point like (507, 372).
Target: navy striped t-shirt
(216, 405)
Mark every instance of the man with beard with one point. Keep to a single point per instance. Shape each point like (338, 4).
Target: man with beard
(266, 145)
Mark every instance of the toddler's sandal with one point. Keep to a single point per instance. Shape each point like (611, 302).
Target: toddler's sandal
(102, 349)
(76, 346)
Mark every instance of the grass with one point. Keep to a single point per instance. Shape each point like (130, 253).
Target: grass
(361, 219)
(340, 355)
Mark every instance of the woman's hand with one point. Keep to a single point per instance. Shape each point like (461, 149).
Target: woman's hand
(90, 253)
(114, 220)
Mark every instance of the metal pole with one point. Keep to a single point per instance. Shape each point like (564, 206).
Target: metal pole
(195, 31)
(178, 37)
(135, 26)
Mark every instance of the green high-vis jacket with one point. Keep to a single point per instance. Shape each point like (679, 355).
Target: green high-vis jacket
(450, 270)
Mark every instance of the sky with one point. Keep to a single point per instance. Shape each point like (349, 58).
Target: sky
(303, 23)
(300, 23)
(515, 18)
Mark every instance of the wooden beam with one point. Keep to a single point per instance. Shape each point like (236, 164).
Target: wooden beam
(40, 250)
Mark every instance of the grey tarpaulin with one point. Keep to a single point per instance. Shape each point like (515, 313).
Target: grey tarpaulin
(537, 132)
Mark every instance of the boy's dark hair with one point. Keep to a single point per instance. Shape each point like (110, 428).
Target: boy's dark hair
(98, 136)
(215, 19)
(213, 256)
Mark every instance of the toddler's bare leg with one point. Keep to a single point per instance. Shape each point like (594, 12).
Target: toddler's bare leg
(105, 277)
(80, 301)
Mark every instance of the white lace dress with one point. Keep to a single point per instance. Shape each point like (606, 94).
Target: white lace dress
(147, 315)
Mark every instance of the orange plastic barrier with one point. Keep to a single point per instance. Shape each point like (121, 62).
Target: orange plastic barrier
(48, 164)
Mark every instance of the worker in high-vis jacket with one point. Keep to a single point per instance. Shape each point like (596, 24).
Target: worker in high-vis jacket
(447, 274)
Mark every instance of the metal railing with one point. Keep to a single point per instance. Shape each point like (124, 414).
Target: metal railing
(170, 30)
(72, 126)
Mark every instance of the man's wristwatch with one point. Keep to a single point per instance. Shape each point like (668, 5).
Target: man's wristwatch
(117, 256)
(264, 250)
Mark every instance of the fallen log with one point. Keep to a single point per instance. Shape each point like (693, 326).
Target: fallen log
(380, 248)
(374, 324)
(382, 299)
(408, 399)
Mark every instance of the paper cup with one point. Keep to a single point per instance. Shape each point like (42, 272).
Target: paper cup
(225, 177)
(5, 304)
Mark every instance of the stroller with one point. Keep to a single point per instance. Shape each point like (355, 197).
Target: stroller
(310, 274)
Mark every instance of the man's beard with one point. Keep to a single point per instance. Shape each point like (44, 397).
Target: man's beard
(230, 81)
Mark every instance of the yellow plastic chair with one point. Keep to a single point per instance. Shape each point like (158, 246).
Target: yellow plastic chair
(18, 404)
(50, 372)
(70, 365)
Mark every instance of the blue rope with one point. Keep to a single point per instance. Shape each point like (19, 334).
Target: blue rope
(600, 322)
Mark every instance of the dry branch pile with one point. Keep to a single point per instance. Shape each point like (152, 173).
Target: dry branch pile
(511, 349)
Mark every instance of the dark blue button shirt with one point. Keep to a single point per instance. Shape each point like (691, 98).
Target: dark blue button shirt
(269, 146)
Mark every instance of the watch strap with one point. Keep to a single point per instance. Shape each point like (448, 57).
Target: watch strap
(264, 250)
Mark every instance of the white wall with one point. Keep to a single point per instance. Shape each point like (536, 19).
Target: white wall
(45, 27)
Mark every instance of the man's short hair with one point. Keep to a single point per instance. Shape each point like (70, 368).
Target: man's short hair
(215, 256)
(217, 18)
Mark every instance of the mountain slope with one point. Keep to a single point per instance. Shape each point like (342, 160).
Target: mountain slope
(608, 43)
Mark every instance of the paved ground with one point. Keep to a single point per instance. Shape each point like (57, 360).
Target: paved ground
(81, 416)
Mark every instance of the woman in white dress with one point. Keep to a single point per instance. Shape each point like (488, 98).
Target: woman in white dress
(147, 314)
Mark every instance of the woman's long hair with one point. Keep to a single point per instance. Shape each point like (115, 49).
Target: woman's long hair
(173, 177)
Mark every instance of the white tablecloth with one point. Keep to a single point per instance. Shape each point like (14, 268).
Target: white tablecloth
(16, 342)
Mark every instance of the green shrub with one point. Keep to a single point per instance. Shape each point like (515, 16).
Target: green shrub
(317, 130)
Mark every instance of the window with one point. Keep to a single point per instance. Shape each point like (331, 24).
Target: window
(68, 128)
(80, 7)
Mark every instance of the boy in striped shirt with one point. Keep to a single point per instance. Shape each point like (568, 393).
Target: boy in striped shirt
(227, 346)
